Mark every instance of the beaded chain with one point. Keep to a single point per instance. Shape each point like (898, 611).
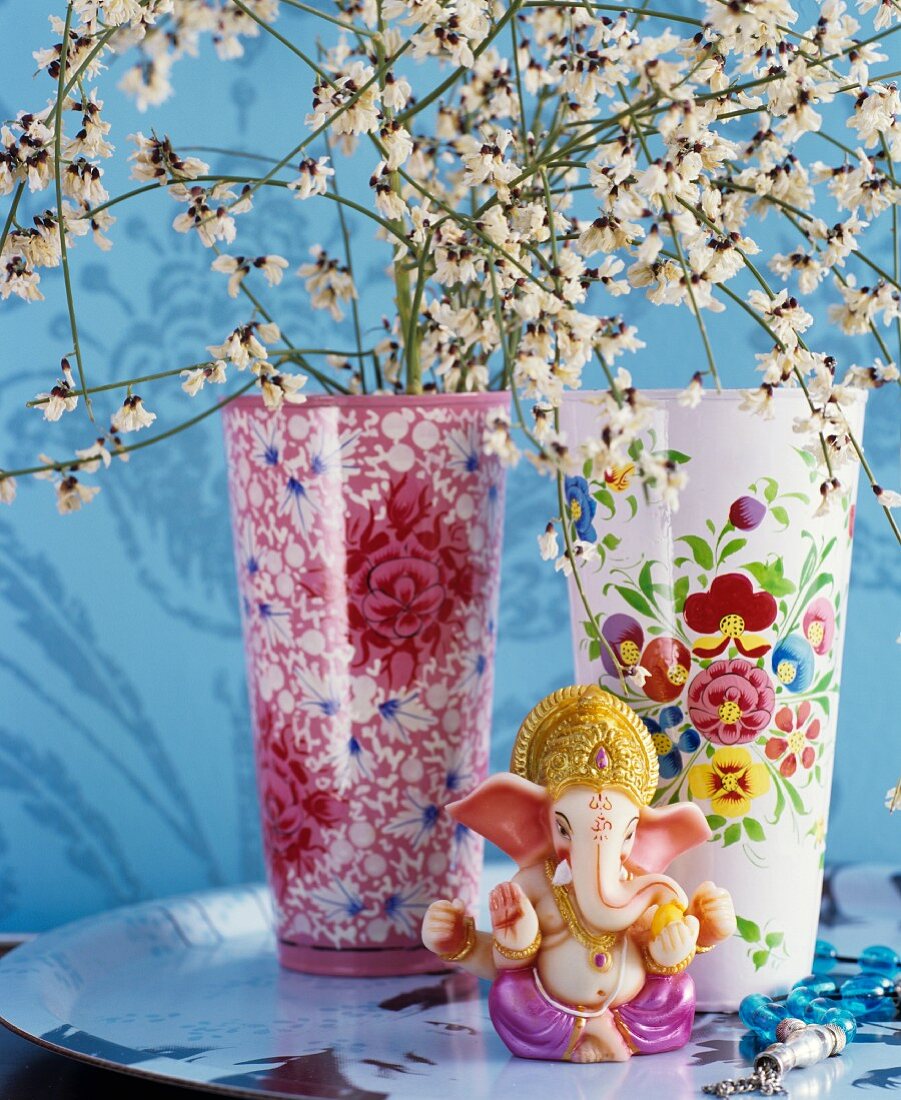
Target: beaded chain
(818, 1017)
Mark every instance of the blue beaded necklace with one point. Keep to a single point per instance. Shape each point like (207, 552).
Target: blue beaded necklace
(819, 1015)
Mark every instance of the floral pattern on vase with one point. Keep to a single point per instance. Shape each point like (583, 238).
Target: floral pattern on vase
(743, 591)
(367, 538)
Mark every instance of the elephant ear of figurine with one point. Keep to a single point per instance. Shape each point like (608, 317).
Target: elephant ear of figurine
(665, 833)
(512, 813)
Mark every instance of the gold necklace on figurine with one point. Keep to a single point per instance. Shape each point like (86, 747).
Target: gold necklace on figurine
(600, 946)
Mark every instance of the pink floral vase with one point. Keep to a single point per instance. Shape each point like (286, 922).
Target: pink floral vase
(367, 538)
(721, 624)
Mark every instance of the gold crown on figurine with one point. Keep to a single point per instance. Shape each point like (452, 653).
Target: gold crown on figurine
(584, 735)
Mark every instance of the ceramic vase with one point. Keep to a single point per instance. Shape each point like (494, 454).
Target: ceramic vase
(367, 537)
(721, 623)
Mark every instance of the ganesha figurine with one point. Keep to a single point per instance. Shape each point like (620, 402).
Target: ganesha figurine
(589, 941)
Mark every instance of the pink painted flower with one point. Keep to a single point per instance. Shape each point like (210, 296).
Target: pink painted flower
(731, 702)
(819, 625)
(795, 748)
(404, 595)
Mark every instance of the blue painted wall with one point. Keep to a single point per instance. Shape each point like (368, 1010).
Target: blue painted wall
(125, 766)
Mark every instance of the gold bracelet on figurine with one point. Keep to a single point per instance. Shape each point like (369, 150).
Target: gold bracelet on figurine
(469, 942)
(702, 950)
(667, 971)
(523, 953)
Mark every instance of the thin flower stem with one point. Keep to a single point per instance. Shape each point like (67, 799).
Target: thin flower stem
(60, 219)
(11, 215)
(75, 463)
(896, 261)
(284, 41)
(627, 9)
(352, 27)
(261, 181)
(348, 258)
(411, 335)
(126, 382)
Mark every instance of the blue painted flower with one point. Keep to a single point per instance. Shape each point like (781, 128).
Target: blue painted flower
(582, 507)
(793, 662)
(669, 751)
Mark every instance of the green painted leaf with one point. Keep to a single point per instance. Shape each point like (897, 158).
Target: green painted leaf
(795, 800)
(711, 526)
(587, 467)
(770, 576)
(700, 550)
(709, 751)
(732, 547)
(646, 582)
(753, 828)
(760, 959)
(605, 498)
(611, 541)
(678, 457)
(635, 449)
(748, 930)
(680, 591)
(774, 939)
(715, 821)
(702, 580)
(633, 504)
(824, 682)
(635, 600)
(732, 835)
(771, 491)
(780, 515)
(594, 651)
(654, 629)
(808, 459)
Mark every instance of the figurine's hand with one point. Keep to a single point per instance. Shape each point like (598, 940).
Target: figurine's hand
(713, 907)
(443, 927)
(675, 942)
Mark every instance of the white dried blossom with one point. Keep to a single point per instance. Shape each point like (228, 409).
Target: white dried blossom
(7, 488)
(278, 388)
(92, 457)
(195, 379)
(245, 346)
(313, 178)
(72, 494)
(328, 283)
(132, 416)
(887, 498)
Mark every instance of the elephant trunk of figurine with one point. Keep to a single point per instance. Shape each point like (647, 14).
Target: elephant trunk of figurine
(609, 902)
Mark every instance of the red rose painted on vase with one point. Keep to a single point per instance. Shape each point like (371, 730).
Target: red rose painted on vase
(731, 702)
(795, 748)
(731, 612)
(818, 625)
(404, 595)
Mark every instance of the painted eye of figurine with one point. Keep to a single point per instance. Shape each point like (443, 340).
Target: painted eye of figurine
(562, 827)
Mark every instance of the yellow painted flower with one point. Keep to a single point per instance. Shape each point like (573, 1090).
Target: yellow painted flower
(730, 781)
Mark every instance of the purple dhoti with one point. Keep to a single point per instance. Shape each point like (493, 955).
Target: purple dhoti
(659, 1018)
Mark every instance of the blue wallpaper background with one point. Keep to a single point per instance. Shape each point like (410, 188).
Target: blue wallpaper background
(125, 762)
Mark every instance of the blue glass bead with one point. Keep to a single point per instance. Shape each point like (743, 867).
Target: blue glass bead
(821, 986)
(749, 1004)
(881, 960)
(867, 996)
(817, 1011)
(798, 1000)
(824, 957)
(764, 1019)
(845, 1020)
